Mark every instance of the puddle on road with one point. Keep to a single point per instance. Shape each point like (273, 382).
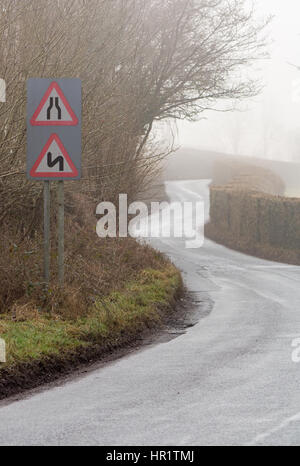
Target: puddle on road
(189, 311)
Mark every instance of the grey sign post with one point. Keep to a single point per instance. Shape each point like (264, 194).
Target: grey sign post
(53, 148)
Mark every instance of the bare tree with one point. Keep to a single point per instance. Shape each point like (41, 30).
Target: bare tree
(141, 61)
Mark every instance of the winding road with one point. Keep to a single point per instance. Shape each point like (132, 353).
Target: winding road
(229, 380)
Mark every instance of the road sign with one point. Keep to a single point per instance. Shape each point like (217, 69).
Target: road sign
(54, 109)
(54, 161)
(53, 148)
(54, 129)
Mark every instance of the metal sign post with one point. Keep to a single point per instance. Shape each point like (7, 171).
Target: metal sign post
(46, 232)
(61, 231)
(53, 148)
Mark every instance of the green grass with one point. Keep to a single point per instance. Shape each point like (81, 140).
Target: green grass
(124, 313)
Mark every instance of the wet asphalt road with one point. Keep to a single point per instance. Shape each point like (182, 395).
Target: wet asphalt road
(229, 380)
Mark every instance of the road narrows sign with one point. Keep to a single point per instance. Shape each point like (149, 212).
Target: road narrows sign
(54, 160)
(54, 109)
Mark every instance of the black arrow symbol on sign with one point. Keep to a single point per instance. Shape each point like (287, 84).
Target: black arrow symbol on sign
(58, 159)
(49, 109)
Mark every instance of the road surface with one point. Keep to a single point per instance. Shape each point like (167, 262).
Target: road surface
(229, 380)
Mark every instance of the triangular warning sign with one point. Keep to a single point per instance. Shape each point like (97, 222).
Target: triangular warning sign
(54, 109)
(54, 161)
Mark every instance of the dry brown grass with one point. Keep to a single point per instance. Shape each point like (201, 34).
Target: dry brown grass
(94, 267)
(116, 291)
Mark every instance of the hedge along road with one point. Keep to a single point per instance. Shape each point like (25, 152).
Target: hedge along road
(229, 380)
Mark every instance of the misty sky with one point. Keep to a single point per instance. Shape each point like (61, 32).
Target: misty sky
(269, 125)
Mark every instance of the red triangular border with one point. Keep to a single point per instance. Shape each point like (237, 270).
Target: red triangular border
(34, 121)
(72, 174)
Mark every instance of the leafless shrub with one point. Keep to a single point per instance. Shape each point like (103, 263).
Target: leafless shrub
(248, 214)
(140, 61)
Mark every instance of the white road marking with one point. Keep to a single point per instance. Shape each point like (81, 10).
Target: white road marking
(261, 437)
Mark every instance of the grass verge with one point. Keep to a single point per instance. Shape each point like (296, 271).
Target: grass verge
(41, 348)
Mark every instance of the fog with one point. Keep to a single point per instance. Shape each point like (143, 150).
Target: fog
(267, 126)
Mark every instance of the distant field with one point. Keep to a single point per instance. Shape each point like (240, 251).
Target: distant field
(194, 164)
(292, 192)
